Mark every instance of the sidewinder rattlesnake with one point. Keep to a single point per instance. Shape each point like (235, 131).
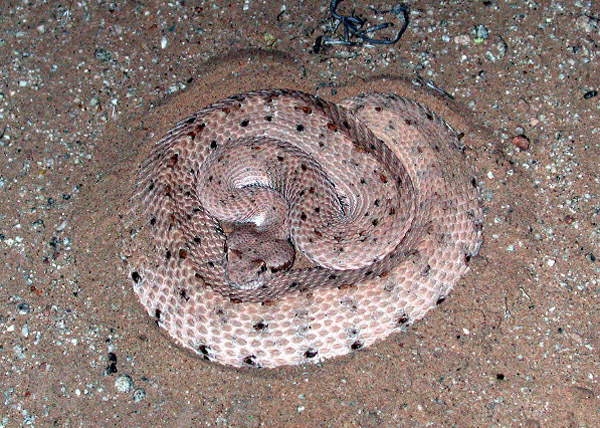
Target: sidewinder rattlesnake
(281, 229)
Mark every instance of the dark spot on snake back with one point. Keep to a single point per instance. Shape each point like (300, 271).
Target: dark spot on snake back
(345, 286)
(303, 216)
(172, 161)
(183, 254)
(203, 349)
(426, 270)
(310, 353)
(303, 167)
(300, 128)
(403, 319)
(259, 326)
(356, 345)
(244, 123)
(213, 144)
(250, 360)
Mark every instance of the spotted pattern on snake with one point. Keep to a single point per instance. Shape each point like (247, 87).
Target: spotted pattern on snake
(277, 228)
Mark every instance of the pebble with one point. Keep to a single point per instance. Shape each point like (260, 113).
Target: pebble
(521, 141)
(102, 55)
(138, 395)
(587, 23)
(462, 40)
(123, 383)
(481, 33)
(269, 39)
(23, 308)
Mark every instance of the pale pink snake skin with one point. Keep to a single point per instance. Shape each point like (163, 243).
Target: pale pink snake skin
(276, 228)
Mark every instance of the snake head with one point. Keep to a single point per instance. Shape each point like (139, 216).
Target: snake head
(250, 266)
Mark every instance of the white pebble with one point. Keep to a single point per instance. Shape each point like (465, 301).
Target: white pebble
(123, 383)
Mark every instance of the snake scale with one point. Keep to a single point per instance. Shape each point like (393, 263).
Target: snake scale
(277, 228)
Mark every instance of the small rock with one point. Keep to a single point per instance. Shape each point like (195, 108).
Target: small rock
(269, 39)
(123, 383)
(462, 40)
(501, 48)
(23, 308)
(138, 395)
(345, 54)
(102, 55)
(590, 94)
(521, 141)
(481, 33)
(587, 23)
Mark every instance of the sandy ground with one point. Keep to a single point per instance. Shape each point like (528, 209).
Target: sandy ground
(87, 87)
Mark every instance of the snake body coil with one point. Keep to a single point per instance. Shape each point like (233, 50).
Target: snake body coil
(285, 229)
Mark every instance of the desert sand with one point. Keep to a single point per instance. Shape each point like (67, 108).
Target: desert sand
(86, 88)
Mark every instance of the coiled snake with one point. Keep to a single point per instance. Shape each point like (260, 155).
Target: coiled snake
(281, 228)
